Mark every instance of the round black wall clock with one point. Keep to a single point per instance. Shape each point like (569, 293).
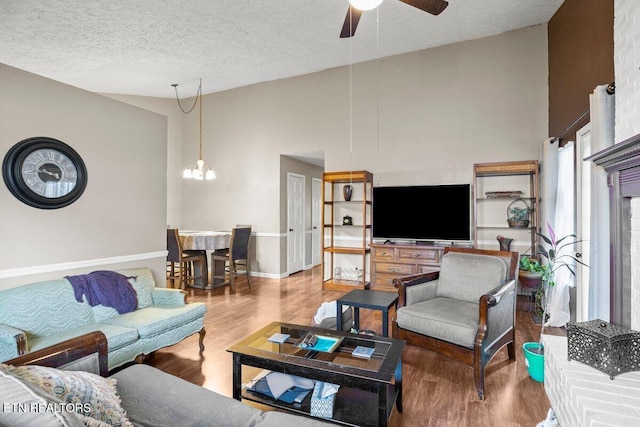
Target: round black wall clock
(44, 173)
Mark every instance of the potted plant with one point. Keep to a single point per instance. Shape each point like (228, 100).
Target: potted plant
(552, 251)
(531, 267)
(531, 273)
(518, 214)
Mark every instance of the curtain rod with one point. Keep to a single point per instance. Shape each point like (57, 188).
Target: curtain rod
(568, 128)
(611, 89)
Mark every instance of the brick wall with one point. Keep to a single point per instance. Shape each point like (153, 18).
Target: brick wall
(626, 39)
(626, 42)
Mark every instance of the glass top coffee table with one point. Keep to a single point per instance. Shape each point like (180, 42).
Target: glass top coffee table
(369, 388)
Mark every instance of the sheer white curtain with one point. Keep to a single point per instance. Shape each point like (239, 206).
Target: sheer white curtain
(564, 223)
(558, 209)
(602, 136)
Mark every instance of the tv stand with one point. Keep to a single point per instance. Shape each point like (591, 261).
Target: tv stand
(390, 260)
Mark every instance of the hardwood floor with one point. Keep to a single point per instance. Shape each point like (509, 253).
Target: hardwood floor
(436, 391)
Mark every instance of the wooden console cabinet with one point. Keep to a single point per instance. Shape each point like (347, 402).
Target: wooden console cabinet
(389, 261)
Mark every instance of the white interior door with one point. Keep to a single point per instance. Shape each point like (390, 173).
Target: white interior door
(583, 225)
(295, 222)
(316, 203)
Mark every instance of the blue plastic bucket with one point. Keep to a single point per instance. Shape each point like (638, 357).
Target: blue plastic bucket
(534, 361)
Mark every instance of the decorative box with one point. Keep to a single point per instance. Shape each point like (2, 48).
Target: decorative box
(322, 406)
(606, 347)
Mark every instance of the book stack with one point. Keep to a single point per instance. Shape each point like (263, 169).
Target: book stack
(363, 352)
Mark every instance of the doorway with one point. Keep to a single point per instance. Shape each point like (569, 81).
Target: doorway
(295, 222)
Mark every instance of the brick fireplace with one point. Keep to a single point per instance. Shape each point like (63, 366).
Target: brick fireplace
(581, 395)
(622, 164)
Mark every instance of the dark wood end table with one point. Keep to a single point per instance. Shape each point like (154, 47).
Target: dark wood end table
(374, 300)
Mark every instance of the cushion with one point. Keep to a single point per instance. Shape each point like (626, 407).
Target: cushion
(55, 303)
(117, 336)
(23, 404)
(466, 277)
(146, 391)
(446, 319)
(143, 284)
(91, 394)
(142, 281)
(157, 320)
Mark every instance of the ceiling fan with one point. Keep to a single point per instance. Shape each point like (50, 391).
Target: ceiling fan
(433, 7)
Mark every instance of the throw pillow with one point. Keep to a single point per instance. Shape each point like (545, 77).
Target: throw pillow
(93, 395)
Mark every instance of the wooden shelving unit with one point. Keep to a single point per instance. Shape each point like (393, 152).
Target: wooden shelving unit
(490, 214)
(346, 247)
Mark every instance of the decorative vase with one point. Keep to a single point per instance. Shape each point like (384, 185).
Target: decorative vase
(534, 359)
(505, 243)
(347, 190)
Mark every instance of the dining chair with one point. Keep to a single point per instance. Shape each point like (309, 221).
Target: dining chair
(235, 258)
(181, 264)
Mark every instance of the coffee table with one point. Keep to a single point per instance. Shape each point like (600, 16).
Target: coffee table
(374, 300)
(369, 388)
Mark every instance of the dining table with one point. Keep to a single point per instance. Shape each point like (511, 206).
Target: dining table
(204, 240)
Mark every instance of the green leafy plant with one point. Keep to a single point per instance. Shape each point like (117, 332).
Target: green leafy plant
(532, 265)
(552, 252)
(519, 214)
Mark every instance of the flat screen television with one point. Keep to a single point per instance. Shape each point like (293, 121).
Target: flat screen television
(424, 213)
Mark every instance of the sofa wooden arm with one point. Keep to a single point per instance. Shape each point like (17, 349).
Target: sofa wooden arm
(68, 351)
(402, 283)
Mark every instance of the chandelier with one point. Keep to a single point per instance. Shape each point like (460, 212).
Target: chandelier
(198, 171)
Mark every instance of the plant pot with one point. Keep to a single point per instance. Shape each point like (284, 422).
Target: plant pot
(534, 359)
(529, 274)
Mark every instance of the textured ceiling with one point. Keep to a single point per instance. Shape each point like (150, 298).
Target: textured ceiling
(141, 47)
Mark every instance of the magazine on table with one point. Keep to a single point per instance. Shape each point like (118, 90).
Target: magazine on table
(284, 387)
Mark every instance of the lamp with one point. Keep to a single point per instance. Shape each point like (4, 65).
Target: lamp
(365, 4)
(199, 171)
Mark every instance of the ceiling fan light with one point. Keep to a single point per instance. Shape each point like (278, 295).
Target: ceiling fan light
(365, 4)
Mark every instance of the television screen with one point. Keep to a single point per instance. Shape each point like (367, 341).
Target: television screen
(434, 213)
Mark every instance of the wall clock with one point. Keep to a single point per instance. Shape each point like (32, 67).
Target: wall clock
(44, 173)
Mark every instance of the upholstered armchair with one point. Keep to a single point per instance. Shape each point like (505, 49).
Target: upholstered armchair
(465, 311)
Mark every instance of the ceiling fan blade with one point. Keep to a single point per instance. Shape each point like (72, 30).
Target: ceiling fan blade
(350, 22)
(434, 7)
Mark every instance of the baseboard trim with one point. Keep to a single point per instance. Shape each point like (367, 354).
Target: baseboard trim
(64, 266)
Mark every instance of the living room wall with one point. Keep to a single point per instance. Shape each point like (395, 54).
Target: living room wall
(419, 118)
(119, 222)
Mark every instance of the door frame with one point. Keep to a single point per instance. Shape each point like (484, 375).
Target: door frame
(316, 219)
(583, 220)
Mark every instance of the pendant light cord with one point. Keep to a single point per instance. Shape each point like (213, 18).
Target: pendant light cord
(200, 98)
(198, 95)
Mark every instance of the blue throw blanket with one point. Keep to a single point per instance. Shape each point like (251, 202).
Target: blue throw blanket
(108, 288)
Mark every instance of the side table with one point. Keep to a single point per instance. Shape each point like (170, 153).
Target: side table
(362, 298)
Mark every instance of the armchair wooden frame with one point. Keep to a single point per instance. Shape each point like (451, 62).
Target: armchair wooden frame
(486, 345)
